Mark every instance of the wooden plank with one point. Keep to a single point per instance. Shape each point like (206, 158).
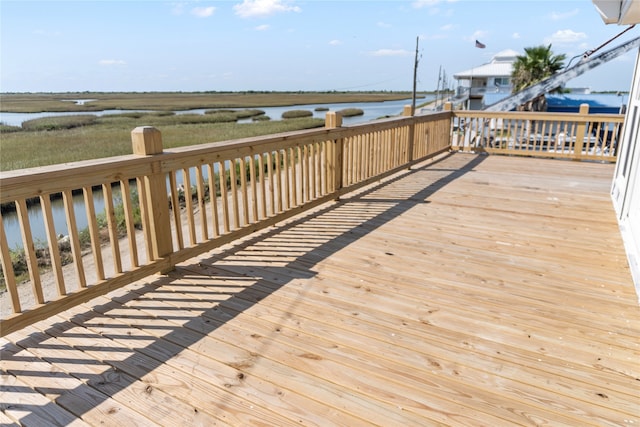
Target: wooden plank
(5, 420)
(211, 352)
(97, 392)
(226, 382)
(30, 408)
(478, 290)
(364, 292)
(408, 383)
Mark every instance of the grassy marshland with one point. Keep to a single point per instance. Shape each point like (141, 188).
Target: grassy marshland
(85, 136)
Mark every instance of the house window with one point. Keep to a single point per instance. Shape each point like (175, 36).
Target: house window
(502, 81)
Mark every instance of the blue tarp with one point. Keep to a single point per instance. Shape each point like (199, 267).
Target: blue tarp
(599, 103)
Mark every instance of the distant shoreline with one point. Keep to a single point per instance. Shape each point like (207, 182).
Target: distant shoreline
(175, 101)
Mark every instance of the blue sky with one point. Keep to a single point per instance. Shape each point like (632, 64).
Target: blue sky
(284, 45)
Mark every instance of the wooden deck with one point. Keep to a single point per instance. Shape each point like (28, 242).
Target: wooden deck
(472, 290)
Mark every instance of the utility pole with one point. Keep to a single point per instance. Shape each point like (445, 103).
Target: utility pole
(438, 86)
(415, 78)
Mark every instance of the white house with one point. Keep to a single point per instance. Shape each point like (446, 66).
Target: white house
(492, 77)
(626, 182)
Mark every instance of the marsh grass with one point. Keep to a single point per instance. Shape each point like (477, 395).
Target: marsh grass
(351, 112)
(7, 128)
(59, 122)
(296, 114)
(110, 135)
(172, 101)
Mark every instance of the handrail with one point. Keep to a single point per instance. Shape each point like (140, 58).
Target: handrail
(577, 136)
(193, 199)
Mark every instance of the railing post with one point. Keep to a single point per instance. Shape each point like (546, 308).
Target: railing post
(408, 112)
(333, 120)
(147, 141)
(581, 131)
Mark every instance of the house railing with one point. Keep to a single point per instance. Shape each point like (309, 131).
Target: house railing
(578, 136)
(190, 200)
(164, 207)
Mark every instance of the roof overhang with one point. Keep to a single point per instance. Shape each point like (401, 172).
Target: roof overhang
(622, 12)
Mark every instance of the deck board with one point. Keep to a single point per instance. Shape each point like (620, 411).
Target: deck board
(468, 291)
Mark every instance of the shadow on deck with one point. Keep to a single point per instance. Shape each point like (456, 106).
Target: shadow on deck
(471, 290)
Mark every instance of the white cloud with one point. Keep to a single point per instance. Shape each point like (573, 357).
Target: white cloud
(447, 27)
(515, 36)
(250, 8)
(557, 16)
(335, 42)
(108, 62)
(390, 52)
(263, 27)
(203, 12)
(565, 36)
(383, 25)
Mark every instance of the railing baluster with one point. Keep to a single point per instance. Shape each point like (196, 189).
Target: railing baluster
(188, 200)
(52, 241)
(224, 198)
(175, 208)
(318, 168)
(213, 198)
(7, 268)
(146, 221)
(272, 192)
(254, 189)
(304, 174)
(293, 154)
(94, 232)
(200, 192)
(286, 176)
(128, 208)
(244, 190)
(234, 193)
(29, 250)
(278, 179)
(112, 227)
(263, 185)
(74, 237)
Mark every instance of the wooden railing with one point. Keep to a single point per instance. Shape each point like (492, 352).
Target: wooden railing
(580, 136)
(191, 200)
(194, 199)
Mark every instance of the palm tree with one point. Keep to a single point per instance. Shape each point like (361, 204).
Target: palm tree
(537, 64)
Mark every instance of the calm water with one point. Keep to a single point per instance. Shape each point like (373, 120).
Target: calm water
(372, 111)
